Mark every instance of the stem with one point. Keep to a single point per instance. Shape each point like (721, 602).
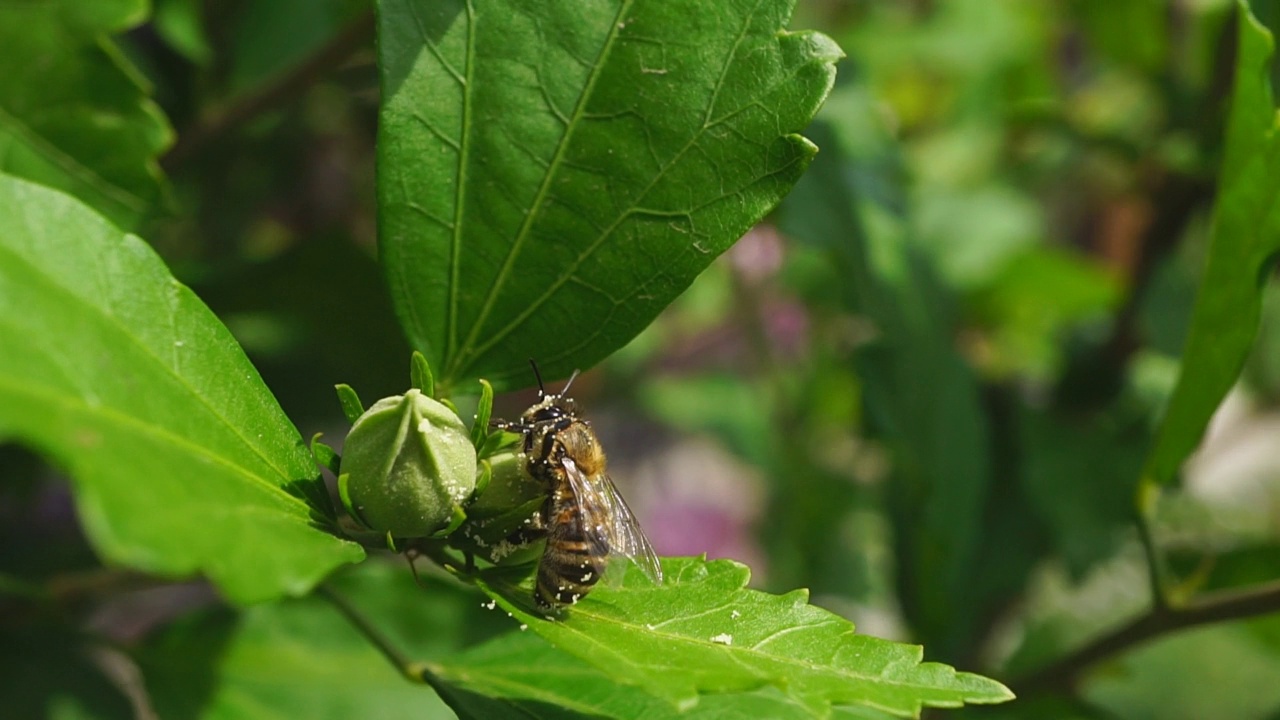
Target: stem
(329, 56)
(73, 587)
(1144, 501)
(1218, 607)
(17, 587)
(413, 670)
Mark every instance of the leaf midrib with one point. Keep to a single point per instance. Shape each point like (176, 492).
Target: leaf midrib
(464, 81)
(466, 350)
(115, 418)
(469, 350)
(782, 659)
(464, 147)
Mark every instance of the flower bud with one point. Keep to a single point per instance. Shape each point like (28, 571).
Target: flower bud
(409, 463)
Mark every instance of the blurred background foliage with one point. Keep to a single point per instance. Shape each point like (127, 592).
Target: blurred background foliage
(923, 389)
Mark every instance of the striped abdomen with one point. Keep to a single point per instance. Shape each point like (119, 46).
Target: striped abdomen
(575, 556)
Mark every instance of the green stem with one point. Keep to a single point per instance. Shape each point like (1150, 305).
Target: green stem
(1145, 501)
(413, 670)
(1219, 607)
(17, 587)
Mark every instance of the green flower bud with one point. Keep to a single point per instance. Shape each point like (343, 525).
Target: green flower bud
(408, 464)
(507, 504)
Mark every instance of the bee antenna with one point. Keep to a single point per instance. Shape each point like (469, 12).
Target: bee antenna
(541, 390)
(565, 390)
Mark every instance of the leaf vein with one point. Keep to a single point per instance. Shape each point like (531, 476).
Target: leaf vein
(468, 350)
(471, 349)
(113, 415)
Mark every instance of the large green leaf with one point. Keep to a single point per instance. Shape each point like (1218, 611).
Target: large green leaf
(552, 174)
(301, 658)
(702, 631)
(521, 668)
(1246, 237)
(182, 460)
(73, 112)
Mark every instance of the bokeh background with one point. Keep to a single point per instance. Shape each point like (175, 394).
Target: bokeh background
(922, 388)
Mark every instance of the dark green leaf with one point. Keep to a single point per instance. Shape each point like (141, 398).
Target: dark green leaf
(1081, 474)
(1246, 237)
(51, 672)
(551, 175)
(300, 659)
(312, 315)
(180, 24)
(919, 392)
(181, 459)
(260, 52)
(702, 631)
(73, 112)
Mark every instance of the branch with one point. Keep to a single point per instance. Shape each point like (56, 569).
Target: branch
(413, 671)
(1229, 605)
(329, 56)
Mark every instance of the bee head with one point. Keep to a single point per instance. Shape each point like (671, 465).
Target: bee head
(550, 406)
(549, 409)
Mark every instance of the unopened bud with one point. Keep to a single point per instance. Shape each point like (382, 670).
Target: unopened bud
(409, 463)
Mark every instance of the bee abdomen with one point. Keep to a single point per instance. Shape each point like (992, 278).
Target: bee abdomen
(567, 572)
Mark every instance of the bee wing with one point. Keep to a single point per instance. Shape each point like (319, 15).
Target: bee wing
(612, 520)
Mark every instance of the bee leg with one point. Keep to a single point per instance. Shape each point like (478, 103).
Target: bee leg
(525, 535)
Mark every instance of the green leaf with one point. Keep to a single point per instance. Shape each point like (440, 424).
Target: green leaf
(49, 671)
(325, 456)
(181, 459)
(1246, 238)
(352, 408)
(702, 631)
(1080, 474)
(942, 487)
(180, 23)
(551, 175)
(1217, 671)
(300, 659)
(420, 375)
(484, 411)
(520, 667)
(260, 52)
(290, 315)
(79, 118)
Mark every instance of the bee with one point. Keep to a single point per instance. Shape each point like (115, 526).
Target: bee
(584, 519)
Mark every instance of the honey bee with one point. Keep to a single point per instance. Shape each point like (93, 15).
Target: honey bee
(585, 520)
